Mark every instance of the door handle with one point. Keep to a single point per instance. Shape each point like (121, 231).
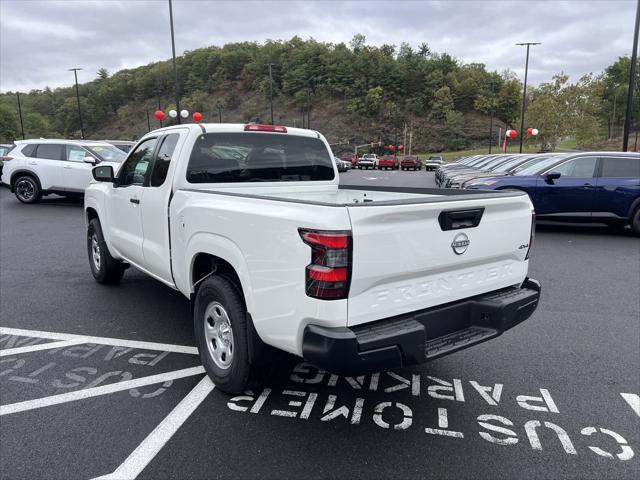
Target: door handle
(67, 166)
(135, 200)
(33, 163)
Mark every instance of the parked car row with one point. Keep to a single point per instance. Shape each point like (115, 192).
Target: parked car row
(601, 187)
(390, 162)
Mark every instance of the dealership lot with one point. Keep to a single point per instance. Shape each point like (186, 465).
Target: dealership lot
(122, 392)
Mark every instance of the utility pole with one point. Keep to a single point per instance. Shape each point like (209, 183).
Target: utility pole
(524, 91)
(75, 73)
(20, 114)
(175, 68)
(632, 81)
(148, 122)
(404, 138)
(270, 90)
(308, 108)
(491, 121)
(410, 138)
(219, 112)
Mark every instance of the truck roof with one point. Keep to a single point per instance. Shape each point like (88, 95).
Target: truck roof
(235, 127)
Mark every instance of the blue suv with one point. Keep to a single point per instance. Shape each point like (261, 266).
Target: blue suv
(588, 187)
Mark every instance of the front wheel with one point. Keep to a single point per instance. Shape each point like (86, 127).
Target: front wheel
(635, 221)
(104, 267)
(220, 327)
(27, 190)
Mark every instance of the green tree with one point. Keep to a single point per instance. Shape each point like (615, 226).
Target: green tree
(9, 128)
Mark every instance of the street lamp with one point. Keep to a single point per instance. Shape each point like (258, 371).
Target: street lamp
(175, 68)
(524, 91)
(632, 81)
(75, 74)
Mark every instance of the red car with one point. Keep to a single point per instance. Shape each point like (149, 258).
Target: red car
(388, 162)
(410, 162)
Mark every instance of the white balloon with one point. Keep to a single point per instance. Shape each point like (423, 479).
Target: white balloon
(173, 113)
(534, 131)
(184, 113)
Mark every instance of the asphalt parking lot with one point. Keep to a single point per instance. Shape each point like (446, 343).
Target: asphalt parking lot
(104, 381)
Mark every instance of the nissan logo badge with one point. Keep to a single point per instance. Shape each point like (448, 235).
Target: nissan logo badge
(460, 244)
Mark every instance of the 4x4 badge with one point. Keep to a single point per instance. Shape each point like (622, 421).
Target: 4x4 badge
(460, 244)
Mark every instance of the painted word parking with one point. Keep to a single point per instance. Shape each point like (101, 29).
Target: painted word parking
(304, 403)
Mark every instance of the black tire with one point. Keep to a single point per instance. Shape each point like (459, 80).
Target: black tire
(27, 189)
(217, 294)
(105, 269)
(635, 221)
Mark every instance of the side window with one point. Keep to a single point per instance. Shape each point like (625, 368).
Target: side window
(163, 159)
(29, 150)
(50, 151)
(621, 167)
(135, 168)
(582, 167)
(76, 153)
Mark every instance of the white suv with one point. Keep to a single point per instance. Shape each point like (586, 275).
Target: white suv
(39, 167)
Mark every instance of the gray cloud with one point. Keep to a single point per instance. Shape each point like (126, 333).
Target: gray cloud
(40, 40)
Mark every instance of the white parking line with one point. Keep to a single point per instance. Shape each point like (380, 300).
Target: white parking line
(150, 446)
(119, 342)
(41, 346)
(96, 391)
(633, 400)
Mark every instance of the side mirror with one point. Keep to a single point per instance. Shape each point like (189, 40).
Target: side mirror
(103, 174)
(551, 176)
(89, 159)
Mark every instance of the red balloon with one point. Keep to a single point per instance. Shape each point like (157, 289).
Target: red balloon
(159, 115)
(529, 131)
(512, 133)
(197, 116)
(400, 147)
(391, 147)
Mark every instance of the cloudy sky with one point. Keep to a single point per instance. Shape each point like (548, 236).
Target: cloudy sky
(40, 40)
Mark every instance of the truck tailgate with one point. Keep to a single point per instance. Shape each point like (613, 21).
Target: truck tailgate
(404, 260)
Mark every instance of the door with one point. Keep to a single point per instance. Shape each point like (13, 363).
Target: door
(124, 202)
(571, 194)
(48, 163)
(618, 185)
(154, 208)
(77, 173)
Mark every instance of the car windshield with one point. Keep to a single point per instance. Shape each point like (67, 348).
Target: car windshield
(505, 167)
(107, 153)
(536, 165)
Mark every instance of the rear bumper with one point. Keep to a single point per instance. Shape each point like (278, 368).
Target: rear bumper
(419, 336)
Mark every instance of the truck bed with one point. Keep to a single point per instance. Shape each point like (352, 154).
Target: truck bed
(353, 195)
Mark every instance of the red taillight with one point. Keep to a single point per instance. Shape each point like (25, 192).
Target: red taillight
(325, 239)
(329, 274)
(532, 235)
(256, 127)
(6, 158)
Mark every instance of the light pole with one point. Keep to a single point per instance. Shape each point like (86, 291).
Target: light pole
(632, 81)
(148, 122)
(75, 73)
(271, 90)
(20, 114)
(524, 91)
(175, 68)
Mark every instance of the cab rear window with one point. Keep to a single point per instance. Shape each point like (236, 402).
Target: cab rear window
(258, 157)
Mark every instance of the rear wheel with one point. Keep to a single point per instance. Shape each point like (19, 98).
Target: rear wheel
(27, 190)
(220, 327)
(104, 267)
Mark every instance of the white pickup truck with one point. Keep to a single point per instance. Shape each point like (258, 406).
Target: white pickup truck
(250, 223)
